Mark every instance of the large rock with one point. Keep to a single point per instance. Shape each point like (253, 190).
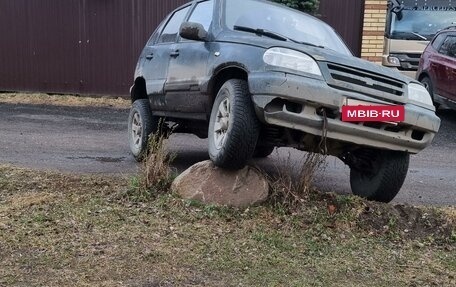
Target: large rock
(210, 184)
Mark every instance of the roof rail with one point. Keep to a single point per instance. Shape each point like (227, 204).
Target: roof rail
(451, 27)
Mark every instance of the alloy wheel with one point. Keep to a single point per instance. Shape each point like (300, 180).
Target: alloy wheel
(222, 123)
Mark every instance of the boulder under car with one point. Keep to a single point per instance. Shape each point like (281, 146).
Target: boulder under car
(251, 75)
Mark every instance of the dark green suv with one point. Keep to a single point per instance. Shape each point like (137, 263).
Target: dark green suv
(252, 75)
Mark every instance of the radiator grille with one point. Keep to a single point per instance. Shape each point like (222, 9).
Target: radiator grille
(352, 79)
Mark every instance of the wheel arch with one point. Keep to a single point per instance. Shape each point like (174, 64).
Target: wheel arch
(423, 75)
(138, 91)
(223, 74)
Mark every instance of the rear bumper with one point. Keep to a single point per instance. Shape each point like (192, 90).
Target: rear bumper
(274, 93)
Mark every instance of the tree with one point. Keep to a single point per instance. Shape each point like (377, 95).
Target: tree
(309, 6)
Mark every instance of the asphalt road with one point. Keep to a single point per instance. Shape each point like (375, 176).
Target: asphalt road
(94, 140)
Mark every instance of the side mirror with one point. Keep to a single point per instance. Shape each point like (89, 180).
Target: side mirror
(193, 31)
(396, 7)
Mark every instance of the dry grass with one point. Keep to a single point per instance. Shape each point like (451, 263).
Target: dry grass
(288, 190)
(156, 173)
(63, 100)
(62, 230)
(157, 164)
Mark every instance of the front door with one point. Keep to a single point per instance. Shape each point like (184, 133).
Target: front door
(188, 68)
(450, 85)
(443, 69)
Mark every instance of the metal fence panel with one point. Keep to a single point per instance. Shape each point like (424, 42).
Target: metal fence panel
(75, 46)
(346, 16)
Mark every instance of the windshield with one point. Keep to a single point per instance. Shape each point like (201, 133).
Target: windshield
(416, 24)
(291, 24)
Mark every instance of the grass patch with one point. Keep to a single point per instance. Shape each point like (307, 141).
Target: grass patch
(156, 174)
(63, 100)
(62, 230)
(290, 192)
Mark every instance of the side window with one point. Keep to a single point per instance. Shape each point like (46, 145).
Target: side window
(171, 30)
(438, 41)
(446, 48)
(155, 35)
(452, 47)
(203, 14)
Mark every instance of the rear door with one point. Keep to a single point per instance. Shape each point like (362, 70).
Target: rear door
(188, 68)
(152, 66)
(157, 56)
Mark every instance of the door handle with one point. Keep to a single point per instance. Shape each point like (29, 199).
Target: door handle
(150, 56)
(174, 54)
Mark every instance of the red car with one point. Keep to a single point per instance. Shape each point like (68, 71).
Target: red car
(437, 69)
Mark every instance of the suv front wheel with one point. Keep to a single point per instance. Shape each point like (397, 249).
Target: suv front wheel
(233, 126)
(381, 176)
(427, 83)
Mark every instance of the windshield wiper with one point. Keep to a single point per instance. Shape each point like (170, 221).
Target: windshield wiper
(273, 35)
(419, 36)
(410, 35)
(306, 43)
(261, 32)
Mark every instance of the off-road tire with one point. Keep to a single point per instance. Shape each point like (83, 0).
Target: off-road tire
(243, 127)
(263, 151)
(426, 81)
(385, 182)
(148, 125)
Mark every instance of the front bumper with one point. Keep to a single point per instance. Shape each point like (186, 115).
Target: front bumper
(274, 93)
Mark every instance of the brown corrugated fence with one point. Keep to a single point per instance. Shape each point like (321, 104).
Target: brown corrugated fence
(75, 46)
(346, 16)
(79, 46)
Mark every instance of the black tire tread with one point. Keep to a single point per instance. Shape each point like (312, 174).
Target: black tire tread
(244, 130)
(428, 80)
(149, 123)
(390, 176)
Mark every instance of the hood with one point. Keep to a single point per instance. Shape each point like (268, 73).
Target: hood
(330, 56)
(319, 54)
(407, 46)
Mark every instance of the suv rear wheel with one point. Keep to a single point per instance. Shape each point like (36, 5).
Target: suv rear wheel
(382, 176)
(141, 123)
(233, 126)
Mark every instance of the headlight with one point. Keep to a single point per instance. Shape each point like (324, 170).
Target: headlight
(419, 95)
(291, 59)
(393, 61)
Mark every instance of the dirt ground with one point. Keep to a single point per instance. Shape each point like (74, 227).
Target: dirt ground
(76, 137)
